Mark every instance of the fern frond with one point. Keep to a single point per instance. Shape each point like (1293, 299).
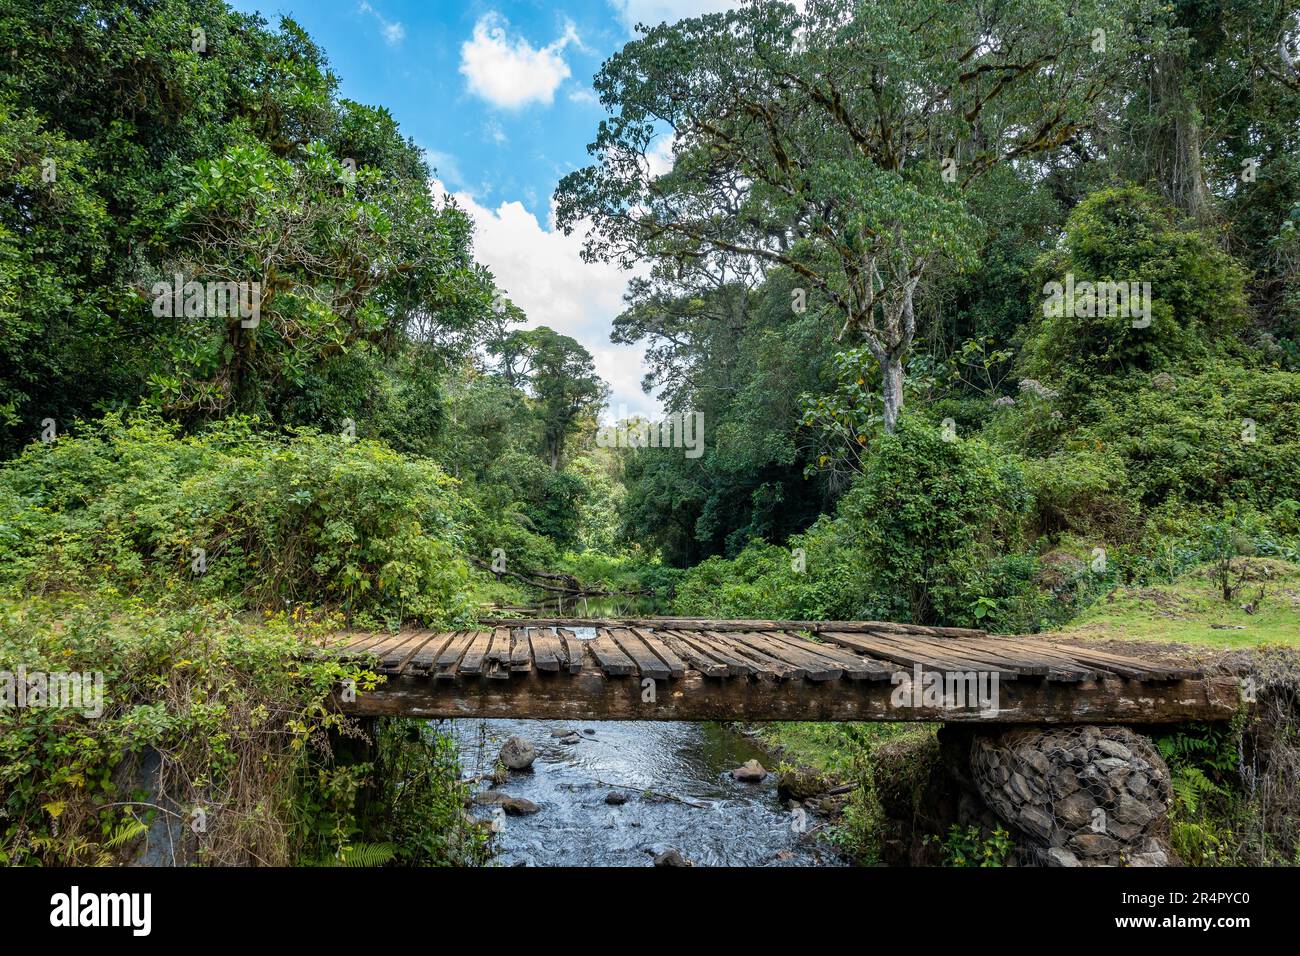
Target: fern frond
(366, 854)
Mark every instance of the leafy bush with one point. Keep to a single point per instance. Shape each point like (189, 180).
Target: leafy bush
(929, 533)
(277, 519)
(968, 846)
(1080, 492)
(235, 720)
(927, 516)
(233, 708)
(1220, 433)
(1128, 235)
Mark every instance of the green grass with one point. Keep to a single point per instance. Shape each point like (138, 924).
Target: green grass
(830, 747)
(1190, 611)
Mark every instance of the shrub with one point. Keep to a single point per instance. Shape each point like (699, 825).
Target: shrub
(929, 533)
(203, 710)
(1126, 235)
(260, 519)
(1218, 434)
(925, 519)
(232, 707)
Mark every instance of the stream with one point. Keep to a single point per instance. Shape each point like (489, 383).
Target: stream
(680, 795)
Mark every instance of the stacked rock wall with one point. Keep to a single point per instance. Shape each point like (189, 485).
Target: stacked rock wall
(1081, 795)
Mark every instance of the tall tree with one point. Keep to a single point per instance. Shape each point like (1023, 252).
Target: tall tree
(839, 141)
(561, 377)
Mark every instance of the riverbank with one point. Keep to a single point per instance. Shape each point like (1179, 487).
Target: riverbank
(1234, 792)
(203, 736)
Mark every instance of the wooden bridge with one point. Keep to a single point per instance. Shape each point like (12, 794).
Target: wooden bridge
(692, 669)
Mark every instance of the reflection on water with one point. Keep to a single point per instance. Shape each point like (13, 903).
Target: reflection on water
(680, 795)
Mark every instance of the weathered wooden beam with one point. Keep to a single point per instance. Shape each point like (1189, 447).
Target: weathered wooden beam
(707, 624)
(590, 695)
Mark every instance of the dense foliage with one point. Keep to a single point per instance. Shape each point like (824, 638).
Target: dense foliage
(854, 271)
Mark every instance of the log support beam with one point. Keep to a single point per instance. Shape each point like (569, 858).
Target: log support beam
(590, 695)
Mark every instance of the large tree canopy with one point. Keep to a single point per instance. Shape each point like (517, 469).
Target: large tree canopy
(839, 142)
(141, 140)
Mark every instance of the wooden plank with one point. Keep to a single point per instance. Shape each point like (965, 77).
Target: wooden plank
(425, 658)
(676, 665)
(1064, 658)
(573, 651)
(499, 650)
(855, 667)
(736, 666)
(444, 668)
(900, 651)
(393, 661)
(387, 651)
(472, 662)
(367, 641)
(635, 648)
(609, 656)
(700, 661)
(521, 651)
(767, 666)
(1151, 670)
(947, 652)
(1059, 666)
(546, 647)
(496, 660)
(972, 651)
(888, 627)
(813, 667)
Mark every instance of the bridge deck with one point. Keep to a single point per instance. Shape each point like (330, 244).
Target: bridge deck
(691, 669)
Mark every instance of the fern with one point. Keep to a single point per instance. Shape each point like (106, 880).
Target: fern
(1191, 784)
(125, 832)
(366, 854)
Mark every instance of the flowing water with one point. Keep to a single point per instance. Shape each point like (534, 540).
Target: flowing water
(680, 793)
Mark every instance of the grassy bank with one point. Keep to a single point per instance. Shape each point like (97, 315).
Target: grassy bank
(1190, 611)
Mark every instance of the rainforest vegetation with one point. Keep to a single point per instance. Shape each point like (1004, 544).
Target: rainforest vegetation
(847, 271)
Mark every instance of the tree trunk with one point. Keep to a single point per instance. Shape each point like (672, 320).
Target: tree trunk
(892, 388)
(1175, 155)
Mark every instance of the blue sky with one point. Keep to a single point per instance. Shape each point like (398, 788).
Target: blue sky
(499, 95)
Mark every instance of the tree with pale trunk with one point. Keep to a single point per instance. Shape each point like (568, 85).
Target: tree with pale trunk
(839, 141)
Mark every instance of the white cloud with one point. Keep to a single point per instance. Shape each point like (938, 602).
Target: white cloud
(581, 94)
(541, 271)
(660, 157)
(509, 72)
(391, 30)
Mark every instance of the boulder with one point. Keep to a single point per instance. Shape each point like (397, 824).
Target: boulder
(670, 857)
(518, 754)
(750, 772)
(513, 806)
(800, 783)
